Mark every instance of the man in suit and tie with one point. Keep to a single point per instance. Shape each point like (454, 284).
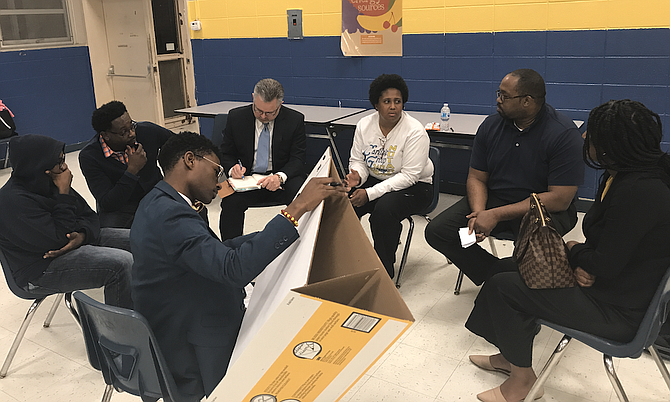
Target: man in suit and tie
(187, 283)
(267, 138)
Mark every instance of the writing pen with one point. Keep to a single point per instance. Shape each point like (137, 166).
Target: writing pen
(239, 162)
(334, 184)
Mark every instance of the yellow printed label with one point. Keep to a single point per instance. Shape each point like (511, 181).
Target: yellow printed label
(327, 342)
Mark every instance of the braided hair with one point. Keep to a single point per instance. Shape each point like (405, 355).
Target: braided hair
(626, 137)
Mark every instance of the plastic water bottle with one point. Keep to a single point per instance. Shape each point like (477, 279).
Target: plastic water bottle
(445, 114)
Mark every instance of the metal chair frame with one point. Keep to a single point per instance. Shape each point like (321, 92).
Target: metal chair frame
(644, 338)
(434, 154)
(37, 297)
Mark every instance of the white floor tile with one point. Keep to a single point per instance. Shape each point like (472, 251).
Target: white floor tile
(378, 390)
(416, 369)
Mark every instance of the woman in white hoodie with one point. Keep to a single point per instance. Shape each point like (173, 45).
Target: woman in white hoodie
(390, 172)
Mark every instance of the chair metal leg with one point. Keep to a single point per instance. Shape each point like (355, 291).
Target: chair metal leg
(70, 306)
(548, 367)
(19, 336)
(660, 364)
(403, 260)
(459, 282)
(109, 391)
(609, 368)
(52, 312)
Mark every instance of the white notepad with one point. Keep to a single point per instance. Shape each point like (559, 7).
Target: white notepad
(247, 183)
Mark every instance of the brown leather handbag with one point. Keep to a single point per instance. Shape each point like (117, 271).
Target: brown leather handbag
(540, 250)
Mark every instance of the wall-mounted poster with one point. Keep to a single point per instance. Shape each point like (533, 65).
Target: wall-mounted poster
(371, 28)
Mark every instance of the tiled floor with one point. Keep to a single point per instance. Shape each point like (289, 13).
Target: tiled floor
(429, 363)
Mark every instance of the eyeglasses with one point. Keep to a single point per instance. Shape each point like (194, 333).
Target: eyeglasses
(504, 97)
(61, 162)
(126, 131)
(262, 113)
(219, 168)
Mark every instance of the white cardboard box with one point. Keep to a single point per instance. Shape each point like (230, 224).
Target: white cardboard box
(325, 311)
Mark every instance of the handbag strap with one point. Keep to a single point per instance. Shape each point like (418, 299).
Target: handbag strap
(540, 208)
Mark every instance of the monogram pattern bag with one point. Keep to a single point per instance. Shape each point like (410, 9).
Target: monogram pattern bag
(540, 251)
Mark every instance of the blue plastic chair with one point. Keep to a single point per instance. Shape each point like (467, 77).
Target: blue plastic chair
(644, 339)
(120, 343)
(434, 155)
(37, 295)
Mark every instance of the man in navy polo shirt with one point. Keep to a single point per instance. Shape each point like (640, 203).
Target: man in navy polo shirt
(527, 147)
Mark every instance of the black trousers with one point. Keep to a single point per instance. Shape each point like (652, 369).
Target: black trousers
(386, 214)
(506, 313)
(233, 207)
(475, 262)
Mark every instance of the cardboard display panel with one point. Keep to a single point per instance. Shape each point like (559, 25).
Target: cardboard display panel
(320, 315)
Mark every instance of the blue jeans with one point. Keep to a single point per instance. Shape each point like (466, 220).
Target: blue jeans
(106, 264)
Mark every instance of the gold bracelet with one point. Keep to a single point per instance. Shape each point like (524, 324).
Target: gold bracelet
(289, 217)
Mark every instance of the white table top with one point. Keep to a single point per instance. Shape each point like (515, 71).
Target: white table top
(313, 114)
(461, 123)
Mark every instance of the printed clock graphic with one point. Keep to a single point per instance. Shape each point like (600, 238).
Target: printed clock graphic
(307, 350)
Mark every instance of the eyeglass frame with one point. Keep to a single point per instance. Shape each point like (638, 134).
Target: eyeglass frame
(126, 131)
(61, 162)
(504, 97)
(262, 113)
(221, 169)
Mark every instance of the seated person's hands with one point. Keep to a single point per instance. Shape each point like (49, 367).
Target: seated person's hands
(359, 197)
(352, 180)
(272, 183)
(316, 190)
(482, 223)
(76, 240)
(137, 158)
(237, 172)
(583, 278)
(62, 179)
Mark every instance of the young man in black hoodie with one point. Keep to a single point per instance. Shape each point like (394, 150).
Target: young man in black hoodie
(49, 234)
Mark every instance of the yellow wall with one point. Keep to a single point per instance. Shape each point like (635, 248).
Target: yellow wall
(267, 18)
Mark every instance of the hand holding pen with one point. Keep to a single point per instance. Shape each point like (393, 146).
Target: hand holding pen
(237, 172)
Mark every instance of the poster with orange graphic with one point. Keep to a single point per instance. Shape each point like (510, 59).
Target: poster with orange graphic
(371, 28)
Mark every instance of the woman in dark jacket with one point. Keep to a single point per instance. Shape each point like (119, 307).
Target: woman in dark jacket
(618, 267)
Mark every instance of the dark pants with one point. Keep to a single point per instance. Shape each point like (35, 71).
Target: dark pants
(234, 206)
(106, 264)
(506, 313)
(475, 262)
(386, 214)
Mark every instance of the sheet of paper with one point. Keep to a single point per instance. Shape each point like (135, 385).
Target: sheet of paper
(467, 240)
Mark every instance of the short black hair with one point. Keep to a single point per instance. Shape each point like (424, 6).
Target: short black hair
(102, 117)
(530, 83)
(384, 82)
(626, 137)
(175, 147)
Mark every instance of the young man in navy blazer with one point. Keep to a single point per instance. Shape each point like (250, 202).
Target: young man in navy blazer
(267, 138)
(187, 283)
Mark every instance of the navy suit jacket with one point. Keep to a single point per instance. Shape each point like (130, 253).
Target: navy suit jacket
(288, 141)
(189, 285)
